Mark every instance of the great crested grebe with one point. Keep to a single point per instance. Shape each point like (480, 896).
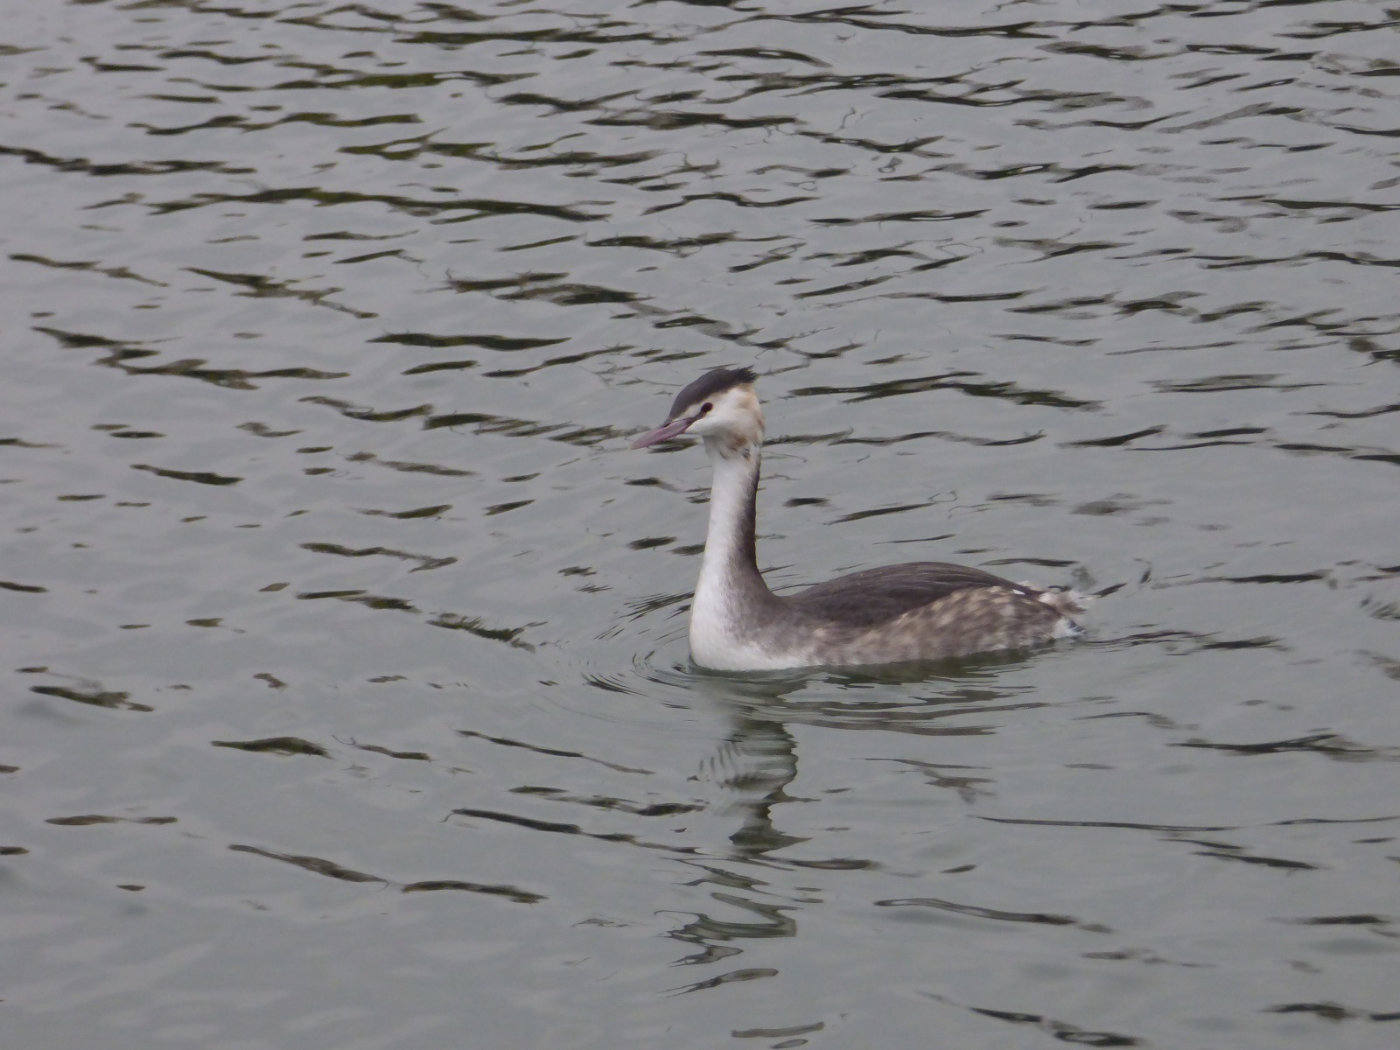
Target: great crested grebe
(917, 611)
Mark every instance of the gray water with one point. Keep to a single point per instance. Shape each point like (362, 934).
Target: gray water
(347, 696)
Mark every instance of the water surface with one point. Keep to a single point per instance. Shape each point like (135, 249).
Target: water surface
(349, 701)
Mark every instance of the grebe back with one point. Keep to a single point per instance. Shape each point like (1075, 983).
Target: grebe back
(918, 611)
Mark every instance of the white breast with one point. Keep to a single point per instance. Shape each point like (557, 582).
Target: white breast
(716, 643)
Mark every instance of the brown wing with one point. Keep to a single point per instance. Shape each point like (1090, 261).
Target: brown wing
(873, 596)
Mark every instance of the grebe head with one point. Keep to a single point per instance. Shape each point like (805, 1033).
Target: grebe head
(722, 407)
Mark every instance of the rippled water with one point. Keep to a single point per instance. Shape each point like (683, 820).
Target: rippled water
(348, 693)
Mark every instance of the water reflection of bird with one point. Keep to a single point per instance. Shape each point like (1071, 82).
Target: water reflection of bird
(917, 611)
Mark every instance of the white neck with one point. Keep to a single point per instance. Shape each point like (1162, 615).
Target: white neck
(730, 592)
(729, 538)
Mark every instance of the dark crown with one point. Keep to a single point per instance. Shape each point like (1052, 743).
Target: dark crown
(711, 384)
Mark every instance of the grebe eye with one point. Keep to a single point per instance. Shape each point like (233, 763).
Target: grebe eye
(706, 407)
